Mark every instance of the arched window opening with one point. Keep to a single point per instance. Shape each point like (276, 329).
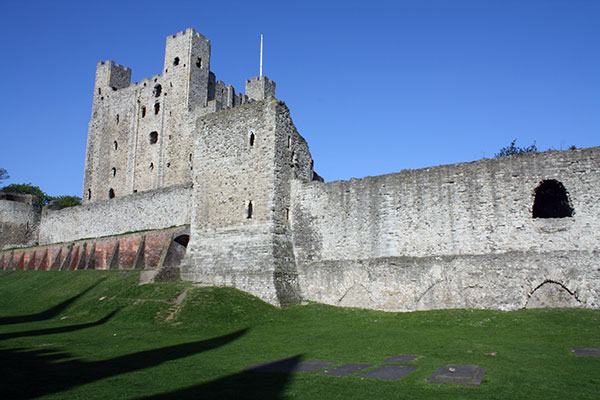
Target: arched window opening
(115, 145)
(111, 194)
(249, 211)
(251, 139)
(551, 200)
(143, 111)
(117, 118)
(99, 91)
(157, 90)
(113, 171)
(156, 108)
(176, 61)
(151, 166)
(182, 240)
(199, 62)
(153, 137)
(89, 194)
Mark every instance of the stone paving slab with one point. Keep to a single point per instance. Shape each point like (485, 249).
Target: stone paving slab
(389, 372)
(315, 365)
(401, 358)
(345, 369)
(585, 351)
(466, 375)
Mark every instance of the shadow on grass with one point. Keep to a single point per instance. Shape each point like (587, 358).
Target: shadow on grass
(49, 313)
(244, 385)
(27, 373)
(52, 331)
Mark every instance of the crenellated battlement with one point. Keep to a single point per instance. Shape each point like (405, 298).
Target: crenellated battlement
(111, 74)
(259, 87)
(188, 31)
(114, 65)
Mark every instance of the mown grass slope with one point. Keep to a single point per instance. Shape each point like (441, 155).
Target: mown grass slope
(97, 334)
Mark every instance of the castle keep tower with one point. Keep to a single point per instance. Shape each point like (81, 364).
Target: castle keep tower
(141, 134)
(239, 152)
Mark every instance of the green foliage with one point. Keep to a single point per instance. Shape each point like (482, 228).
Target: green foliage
(512, 150)
(3, 174)
(27, 188)
(67, 201)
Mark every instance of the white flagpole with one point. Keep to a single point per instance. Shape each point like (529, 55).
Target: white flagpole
(261, 51)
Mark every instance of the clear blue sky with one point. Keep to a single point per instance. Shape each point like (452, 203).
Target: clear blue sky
(375, 87)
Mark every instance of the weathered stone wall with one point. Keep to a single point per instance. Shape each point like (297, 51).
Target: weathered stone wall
(156, 209)
(19, 220)
(240, 232)
(449, 236)
(141, 134)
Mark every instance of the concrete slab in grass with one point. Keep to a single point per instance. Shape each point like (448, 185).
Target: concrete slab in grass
(315, 365)
(466, 375)
(389, 372)
(345, 369)
(401, 358)
(585, 351)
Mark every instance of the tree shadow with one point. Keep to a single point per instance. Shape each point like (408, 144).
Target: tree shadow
(49, 313)
(28, 373)
(251, 384)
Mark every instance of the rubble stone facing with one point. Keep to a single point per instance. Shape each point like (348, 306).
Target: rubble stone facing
(245, 159)
(450, 236)
(19, 220)
(156, 209)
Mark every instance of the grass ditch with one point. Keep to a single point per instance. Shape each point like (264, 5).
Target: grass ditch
(97, 334)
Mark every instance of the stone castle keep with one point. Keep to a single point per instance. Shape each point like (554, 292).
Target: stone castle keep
(185, 178)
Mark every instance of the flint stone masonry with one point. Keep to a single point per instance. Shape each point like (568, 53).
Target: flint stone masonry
(182, 148)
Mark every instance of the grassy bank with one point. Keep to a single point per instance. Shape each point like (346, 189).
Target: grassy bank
(96, 334)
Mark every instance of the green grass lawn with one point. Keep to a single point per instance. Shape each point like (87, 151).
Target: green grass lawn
(97, 335)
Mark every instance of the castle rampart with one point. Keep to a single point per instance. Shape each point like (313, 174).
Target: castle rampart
(157, 209)
(461, 235)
